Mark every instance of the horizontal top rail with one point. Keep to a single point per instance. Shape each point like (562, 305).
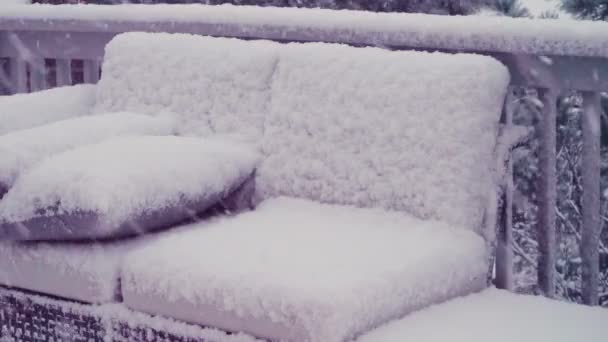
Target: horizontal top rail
(557, 54)
(500, 34)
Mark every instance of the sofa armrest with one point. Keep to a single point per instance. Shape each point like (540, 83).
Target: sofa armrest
(23, 111)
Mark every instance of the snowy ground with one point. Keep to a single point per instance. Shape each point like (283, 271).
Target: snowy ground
(498, 316)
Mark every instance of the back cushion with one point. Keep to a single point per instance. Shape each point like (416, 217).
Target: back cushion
(406, 131)
(213, 85)
(409, 131)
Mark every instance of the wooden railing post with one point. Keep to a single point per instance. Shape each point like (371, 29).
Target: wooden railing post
(5, 82)
(504, 240)
(548, 193)
(37, 74)
(504, 243)
(91, 70)
(18, 75)
(590, 231)
(63, 72)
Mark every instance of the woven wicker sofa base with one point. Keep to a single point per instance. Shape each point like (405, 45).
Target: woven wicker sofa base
(26, 316)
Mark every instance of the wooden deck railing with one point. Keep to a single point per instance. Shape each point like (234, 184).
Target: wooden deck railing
(36, 42)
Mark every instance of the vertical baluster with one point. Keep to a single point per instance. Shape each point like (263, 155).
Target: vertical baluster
(548, 194)
(63, 72)
(91, 71)
(504, 246)
(590, 232)
(5, 83)
(18, 75)
(37, 74)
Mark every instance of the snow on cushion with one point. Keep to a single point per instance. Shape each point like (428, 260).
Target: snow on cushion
(123, 186)
(409, 131)
(298, 270)
(84, 272)
(22, 149)
(30, 110)
(404, 130)
(216, 85)
(498, 316)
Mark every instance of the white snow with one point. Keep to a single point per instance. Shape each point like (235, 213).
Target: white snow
(551, 37)
(30, 110)
(213, 85)
(498, 316)
(407, 131)
(125, 177)
(85, 272)
(299, 270)
(22, 149)
(539, 7)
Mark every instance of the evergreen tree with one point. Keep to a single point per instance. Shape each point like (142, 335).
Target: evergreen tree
(511, 8)
(587, 9)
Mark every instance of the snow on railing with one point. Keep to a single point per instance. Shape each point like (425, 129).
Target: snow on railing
(554, 56)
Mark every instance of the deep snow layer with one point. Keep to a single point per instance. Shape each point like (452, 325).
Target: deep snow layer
(408, 131)
(557, 37)
(86, 272)
(498, 316)
(303, 271)
(22, 149)
(123, 178)
(23, 111)
(404, 130)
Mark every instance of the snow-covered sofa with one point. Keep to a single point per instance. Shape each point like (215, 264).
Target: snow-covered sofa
(376, 195)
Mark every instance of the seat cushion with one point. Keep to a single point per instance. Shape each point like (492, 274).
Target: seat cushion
(402, 130)
(298, 270)
(83, 272)
(498, 316)
(123, 186)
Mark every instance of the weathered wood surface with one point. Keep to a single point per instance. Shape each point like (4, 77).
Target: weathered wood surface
(504, 243)
(82, 39)
(547, 196)
(63, 70)
(591, 227)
